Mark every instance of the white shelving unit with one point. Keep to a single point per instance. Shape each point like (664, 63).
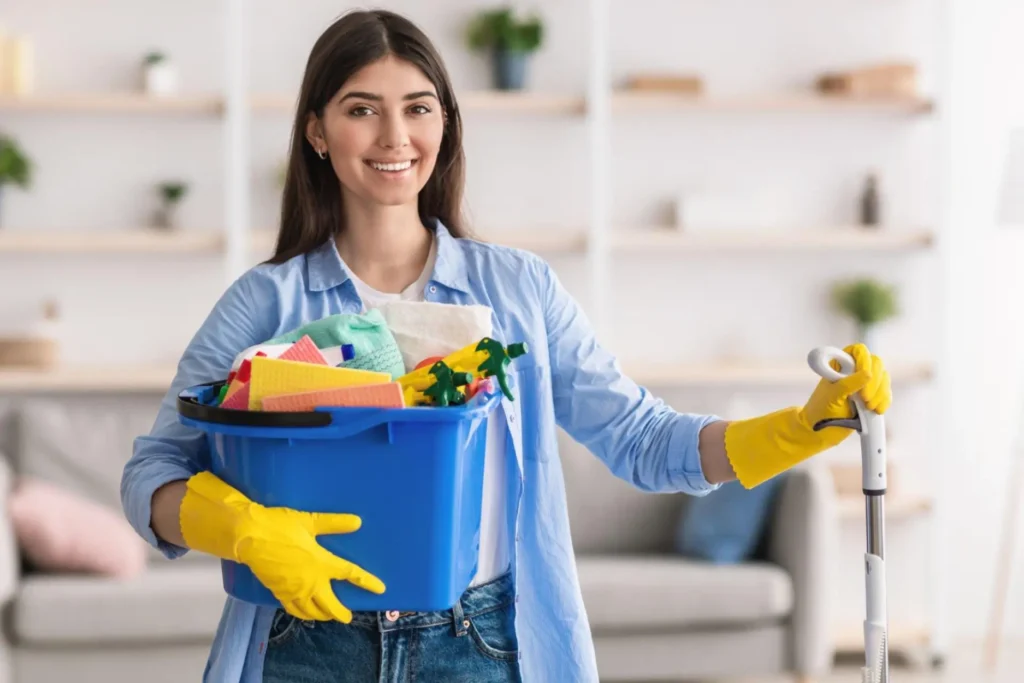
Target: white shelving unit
(598, 242)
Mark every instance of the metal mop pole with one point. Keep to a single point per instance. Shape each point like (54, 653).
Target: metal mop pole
(871, 427)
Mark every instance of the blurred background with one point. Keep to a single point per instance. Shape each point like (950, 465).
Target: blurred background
(723, 185)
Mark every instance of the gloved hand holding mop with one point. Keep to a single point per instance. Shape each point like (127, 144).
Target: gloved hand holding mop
(757, 449)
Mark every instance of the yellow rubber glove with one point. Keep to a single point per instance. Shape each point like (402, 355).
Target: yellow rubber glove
(278, 544)
(762, 447)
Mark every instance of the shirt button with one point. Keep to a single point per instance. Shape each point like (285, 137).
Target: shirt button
(511, 417)
(392, 615)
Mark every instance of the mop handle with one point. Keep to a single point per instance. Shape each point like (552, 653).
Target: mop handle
(871, 427)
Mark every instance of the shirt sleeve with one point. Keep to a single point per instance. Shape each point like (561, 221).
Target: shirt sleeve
(640, 438)
(172, 451)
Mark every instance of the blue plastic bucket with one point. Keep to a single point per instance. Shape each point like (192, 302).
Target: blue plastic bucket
(414, 475)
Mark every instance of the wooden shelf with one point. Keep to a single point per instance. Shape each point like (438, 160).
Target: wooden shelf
(528, 102)
(87, 379)
(712, 374)
(113, 103)
(142, 241)
(477, 100)
(626, 101)
(556, 239)
(897, 506)
(547, 241)
(840, 238)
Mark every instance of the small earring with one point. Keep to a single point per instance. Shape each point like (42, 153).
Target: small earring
(322, 153)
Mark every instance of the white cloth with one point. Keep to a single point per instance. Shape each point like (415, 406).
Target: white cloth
(423, 329)
(426, 329)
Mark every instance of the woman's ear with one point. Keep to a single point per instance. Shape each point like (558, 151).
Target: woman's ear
(314, 134)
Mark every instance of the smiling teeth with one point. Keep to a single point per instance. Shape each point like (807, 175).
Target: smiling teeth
(391, 167)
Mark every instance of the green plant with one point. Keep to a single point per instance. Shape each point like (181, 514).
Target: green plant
(154, 58)
(867, 301)
(15, 167)
(172, 192)
(502, 29)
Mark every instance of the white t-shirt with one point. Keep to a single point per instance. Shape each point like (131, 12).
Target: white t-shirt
(494, 554)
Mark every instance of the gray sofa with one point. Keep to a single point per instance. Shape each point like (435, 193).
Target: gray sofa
(654, 615)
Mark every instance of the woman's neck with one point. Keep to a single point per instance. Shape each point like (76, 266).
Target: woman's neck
(385, 246)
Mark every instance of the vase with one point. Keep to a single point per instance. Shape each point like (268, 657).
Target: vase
(510, 69)
(868, 336)
(161, 79)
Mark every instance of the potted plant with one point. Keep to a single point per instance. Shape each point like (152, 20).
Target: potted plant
(171, 193)
(15, 167)
(869, 303)
(160, 78)
(511, 39)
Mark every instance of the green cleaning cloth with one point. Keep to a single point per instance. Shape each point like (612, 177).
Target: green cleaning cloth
(368, 333)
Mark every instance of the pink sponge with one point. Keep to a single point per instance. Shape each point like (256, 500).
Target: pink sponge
(305, 351)
(387, 395)
(238, 400)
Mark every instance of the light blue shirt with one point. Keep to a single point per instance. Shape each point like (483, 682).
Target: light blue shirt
(567, 379)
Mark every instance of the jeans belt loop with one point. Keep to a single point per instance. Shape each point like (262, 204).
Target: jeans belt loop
(458, 619)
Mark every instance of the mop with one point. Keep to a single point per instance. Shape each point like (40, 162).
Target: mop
(871, 427)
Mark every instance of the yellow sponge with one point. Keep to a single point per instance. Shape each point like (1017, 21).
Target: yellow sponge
(273, 376)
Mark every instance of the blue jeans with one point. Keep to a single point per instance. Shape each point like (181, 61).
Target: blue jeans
(474, 642)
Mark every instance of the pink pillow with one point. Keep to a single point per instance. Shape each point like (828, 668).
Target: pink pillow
(61, 531)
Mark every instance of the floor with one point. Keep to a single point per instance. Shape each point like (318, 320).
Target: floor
(964, 665)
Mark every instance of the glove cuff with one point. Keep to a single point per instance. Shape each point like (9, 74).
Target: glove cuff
(761, 447)
(212, 515)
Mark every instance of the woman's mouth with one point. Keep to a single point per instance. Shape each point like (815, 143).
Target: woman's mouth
(392, 168)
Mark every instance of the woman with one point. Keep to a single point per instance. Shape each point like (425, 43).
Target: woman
(371, 212)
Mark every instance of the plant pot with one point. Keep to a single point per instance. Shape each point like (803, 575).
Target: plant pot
(160, 79)
(510, 68)
(165, 217)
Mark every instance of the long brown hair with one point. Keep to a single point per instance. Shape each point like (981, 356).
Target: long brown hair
(311, 209)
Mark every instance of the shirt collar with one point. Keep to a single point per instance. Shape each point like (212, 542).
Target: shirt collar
(326, 270)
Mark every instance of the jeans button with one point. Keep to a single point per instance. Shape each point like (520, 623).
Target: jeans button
(391, 615)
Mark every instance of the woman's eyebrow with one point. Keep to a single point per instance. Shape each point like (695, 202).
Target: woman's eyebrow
(372, 96)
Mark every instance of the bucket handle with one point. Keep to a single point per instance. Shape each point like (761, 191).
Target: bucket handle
(354, 424)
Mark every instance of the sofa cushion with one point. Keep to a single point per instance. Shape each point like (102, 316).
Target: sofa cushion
(59, 530)
(82, 444)
(650, 592)
(176, 602)
(610, 516)
(727, 526)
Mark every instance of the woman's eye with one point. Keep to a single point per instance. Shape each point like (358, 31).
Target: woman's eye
(360, 111)
(419, 109)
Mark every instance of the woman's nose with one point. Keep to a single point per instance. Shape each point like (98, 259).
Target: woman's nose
(393, 134)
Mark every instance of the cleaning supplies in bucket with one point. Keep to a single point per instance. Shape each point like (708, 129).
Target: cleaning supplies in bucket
(294, 425)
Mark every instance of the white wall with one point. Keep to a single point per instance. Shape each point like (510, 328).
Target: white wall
(95, 173)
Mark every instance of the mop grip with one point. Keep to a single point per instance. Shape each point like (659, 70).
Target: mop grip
(874, 479)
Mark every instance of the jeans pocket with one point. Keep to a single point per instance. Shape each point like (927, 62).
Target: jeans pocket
(282, 629)
(494, 633)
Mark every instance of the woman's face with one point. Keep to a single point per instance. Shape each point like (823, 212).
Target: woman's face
(382, 131)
